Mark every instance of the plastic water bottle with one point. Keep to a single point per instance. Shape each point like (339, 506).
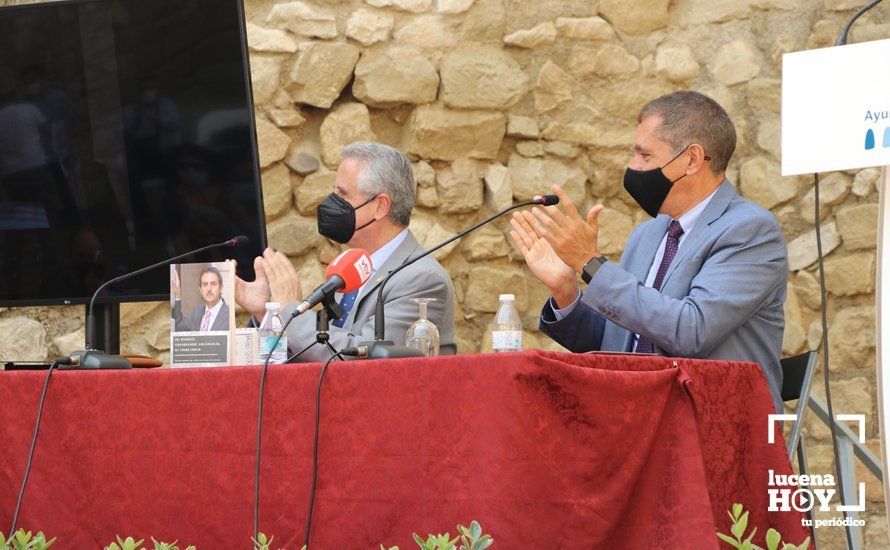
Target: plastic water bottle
(506, 332)
(269, 329)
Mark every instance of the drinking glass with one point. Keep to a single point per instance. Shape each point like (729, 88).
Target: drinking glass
(423, 334)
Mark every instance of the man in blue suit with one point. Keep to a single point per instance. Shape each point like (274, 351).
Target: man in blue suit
(705, 278)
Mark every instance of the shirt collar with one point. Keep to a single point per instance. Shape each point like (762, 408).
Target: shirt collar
(379, 256)
(215, 309)
(687, 220)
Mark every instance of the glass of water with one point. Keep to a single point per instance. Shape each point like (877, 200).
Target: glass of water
(423, 334)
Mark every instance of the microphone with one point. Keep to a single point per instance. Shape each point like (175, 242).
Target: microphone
(348, 272)
(380, 348)
(92, 358)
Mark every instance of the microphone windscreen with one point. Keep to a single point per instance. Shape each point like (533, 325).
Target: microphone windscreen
(353, 266)
(549, 200)
(239, 240)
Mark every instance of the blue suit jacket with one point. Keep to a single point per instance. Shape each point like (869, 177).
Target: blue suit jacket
(722, 296)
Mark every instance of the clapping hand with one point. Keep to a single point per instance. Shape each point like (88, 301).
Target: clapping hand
(572, 238)
(253, 296)
(542, 260)
(284, 281)
(175, 285)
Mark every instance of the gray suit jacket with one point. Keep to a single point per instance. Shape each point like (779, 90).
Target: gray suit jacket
(193, 321)
(722, 296)
(422, 279)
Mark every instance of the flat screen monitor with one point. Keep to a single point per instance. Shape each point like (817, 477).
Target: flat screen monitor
(126, 137)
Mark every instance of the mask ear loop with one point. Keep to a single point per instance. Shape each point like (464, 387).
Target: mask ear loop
(675, 158)
(372, 219)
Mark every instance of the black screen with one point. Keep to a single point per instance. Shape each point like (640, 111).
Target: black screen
(126, 137)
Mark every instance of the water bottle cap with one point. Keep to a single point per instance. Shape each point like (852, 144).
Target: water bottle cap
(272, 305)
(509, 297)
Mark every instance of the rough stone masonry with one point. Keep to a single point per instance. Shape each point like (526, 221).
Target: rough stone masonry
(494, 100)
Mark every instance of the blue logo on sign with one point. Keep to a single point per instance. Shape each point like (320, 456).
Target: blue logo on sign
(873, 118)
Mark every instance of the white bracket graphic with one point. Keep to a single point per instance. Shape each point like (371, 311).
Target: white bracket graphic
(860, 419)
(772, 424)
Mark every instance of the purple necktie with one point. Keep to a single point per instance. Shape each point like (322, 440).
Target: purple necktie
(644, 345)
(205, 325)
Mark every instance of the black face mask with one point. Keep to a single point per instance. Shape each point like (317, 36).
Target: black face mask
(651, 187)
(336, 218)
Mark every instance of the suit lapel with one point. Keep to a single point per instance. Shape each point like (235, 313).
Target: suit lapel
(641, 260)
(724, 195)
(222, 318)
(405, 250)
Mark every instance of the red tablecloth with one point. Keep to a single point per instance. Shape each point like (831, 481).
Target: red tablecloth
(546, 450)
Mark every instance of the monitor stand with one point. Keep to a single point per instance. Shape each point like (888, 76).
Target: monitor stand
(108, 327)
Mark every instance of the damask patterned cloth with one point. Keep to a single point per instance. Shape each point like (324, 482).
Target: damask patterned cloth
(544, 449)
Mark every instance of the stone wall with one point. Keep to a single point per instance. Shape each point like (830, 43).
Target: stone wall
(494, 100)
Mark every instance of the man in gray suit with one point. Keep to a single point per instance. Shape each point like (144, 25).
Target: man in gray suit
(370, 208)
(213, 314)
(705, 278)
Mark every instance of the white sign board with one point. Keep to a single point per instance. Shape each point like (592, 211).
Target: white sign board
(836, 108)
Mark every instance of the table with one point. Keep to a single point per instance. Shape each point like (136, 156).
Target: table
(544, 449)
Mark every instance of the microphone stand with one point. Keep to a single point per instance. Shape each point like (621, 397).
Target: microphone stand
(380, 347)
(91, 358)
(330, 310)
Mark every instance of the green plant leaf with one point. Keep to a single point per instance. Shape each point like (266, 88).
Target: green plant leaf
(773, 538)
(751, 536)
(728, 540)
(737, 531)
(740, 526)
(746, 545)
(805, 544)
(737, 510)
(475, 530)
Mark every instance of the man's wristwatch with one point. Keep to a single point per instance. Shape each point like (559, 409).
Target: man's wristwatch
(592, 267)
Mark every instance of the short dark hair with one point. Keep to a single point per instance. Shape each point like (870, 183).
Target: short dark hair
(691, 117)
(211, 269)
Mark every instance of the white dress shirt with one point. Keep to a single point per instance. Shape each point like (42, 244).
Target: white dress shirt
(214, 312)
(379, 256)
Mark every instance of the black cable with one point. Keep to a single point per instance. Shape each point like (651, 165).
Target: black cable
(315, 447)
(259, 426)
(837, 462)
(842, 39)
(18, 506)
(259, 430)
